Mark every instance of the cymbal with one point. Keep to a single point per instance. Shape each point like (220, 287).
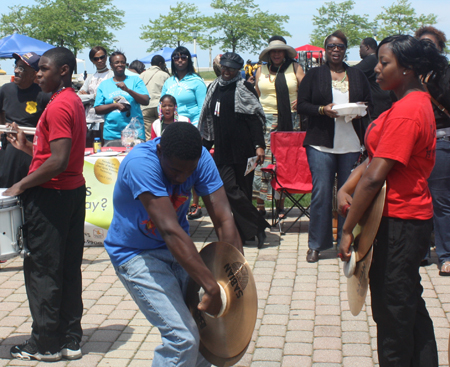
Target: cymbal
(225, 339)
(365, 231)
(358, 283)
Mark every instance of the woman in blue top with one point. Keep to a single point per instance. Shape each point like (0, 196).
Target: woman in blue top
(185, 85)
(119, 99)
(189, 90)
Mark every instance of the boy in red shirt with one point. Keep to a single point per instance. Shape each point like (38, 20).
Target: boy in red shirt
(53, 195)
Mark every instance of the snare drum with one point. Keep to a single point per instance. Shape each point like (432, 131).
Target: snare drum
(11, 220)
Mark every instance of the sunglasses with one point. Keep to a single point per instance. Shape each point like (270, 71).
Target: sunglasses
(182, 57)
(99, 58)
(332, 46)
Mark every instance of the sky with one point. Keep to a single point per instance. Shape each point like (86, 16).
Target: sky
(299, 25)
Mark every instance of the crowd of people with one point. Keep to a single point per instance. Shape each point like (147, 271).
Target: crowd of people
(198, 140)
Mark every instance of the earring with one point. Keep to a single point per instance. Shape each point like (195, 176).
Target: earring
(404, 73)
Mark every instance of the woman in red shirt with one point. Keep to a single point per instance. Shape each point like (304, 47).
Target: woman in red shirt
(401, 147)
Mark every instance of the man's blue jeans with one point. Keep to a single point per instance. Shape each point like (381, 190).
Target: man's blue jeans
(157, 283)
(324, 167)
(439, 184)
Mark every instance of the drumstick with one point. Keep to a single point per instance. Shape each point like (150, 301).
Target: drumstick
(26, 130)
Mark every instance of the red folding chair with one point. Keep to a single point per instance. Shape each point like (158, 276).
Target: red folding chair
(290, 173)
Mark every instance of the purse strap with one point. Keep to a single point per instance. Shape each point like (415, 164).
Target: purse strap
(436, 103)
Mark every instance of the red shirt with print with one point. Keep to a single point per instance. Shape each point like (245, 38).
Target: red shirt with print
(406, 133)
(64, 117)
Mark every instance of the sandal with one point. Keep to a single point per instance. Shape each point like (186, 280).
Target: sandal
(281, 213)
(445, 269)
(261, 209)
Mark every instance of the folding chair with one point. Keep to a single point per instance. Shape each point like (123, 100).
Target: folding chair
(290, 173)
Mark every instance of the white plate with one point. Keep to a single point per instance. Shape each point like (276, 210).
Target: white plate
(355, 109)
(105, 154)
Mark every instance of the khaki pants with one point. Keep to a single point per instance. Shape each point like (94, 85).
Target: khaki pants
(150, 115)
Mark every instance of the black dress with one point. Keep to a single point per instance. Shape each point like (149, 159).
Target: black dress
(236, 137)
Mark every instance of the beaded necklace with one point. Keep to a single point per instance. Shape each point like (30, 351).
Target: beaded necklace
(54, 96)
(342, 85)
(272, 81)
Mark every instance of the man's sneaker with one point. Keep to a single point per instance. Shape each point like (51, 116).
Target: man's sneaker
(195, 211)
(28, 352)
(71, 349)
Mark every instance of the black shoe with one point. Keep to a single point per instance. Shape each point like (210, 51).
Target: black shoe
(261, 236)
(29, 352)
(195, 212)
(71, 349)
(312, 256)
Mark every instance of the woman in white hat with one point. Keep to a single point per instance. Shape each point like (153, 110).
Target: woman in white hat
(276, 83)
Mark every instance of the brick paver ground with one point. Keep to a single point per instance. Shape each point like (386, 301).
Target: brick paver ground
(303, 314)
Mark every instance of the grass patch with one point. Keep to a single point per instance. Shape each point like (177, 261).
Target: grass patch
(208, 75)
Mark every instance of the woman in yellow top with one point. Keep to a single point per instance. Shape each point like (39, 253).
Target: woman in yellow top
(276, 83)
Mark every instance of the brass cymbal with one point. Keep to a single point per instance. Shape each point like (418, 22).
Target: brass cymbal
(224, 340)
(366, 230)
(358, 283)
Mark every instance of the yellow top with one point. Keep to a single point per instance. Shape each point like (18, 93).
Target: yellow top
(266, 86)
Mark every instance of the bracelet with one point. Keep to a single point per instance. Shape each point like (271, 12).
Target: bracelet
(321, 110)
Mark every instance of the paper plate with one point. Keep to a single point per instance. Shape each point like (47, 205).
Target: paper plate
(355, 109)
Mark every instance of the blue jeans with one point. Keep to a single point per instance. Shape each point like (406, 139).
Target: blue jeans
(157, 283)
(439, 184)
(324, 167)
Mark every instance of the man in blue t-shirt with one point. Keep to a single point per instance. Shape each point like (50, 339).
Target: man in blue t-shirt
(148, 240)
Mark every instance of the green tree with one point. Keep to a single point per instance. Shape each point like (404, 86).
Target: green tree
(401, 18)
(173, 29)
(241, 26)
(15, 22)
(75, 24)
(334, 16)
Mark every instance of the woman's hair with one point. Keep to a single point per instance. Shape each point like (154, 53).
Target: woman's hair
(277, 38)
(172, 98)
(181, 50)
(421, 56)
(117, 53)
(338, 34)
(440, 36)
(157, 60)
(94, 50)
(137, 65)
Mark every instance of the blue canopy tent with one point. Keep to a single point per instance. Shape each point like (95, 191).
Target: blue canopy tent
(18, 43)
(165, 52)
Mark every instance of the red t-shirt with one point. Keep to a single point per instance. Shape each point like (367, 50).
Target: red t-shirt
(406, 133)
(64, 117)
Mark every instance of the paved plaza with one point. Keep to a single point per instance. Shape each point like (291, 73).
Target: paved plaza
(303, 315)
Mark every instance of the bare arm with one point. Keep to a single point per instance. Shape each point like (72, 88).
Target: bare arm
(344, 195)
(52, 167)
(370, 183)
(107, 108)
(142, 99)
(257, 76)
(219, 209)
(161, 210)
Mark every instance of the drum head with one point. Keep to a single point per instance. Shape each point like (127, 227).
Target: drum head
(224, 340)
(7, 201)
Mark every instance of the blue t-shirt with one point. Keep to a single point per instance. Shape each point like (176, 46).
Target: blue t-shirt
(190, 93)
(116, 121)
(132, 230)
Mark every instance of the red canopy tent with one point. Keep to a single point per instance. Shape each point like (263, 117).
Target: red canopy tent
(314, 49)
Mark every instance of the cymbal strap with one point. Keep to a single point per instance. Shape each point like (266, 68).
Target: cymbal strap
(223, 297)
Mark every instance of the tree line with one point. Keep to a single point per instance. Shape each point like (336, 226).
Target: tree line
(236, 25)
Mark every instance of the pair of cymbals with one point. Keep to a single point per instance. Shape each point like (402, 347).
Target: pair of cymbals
(225, 339)
(357, 268)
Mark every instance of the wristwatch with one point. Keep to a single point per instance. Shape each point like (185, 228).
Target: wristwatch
(258, 146)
